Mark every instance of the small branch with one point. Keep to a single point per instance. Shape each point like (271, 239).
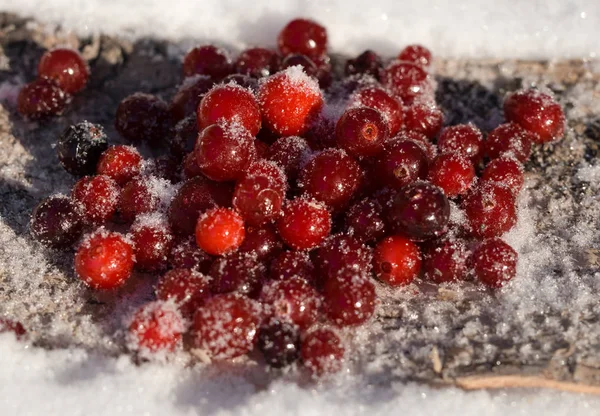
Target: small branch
(502, 382)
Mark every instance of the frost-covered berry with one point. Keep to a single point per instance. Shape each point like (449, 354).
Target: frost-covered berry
(303, 36)
(155, 327)
(185, 101)
(349, 297)
(237, 272)
(279, 342)
(121, 163)
(511, 140)
(407, 81)
(186, 254)
(98, 198)
(231, 103)
(79, 148)
(304, 224)
(423, 118)
(464, 139)
(452, 172)
(65, 66)
(396, 260)
(490, 210)
(293, 299)
(494, 262)
(263, 242)
(143, 117)
(445, 261)
(42, 99)
(219, 231)
(365, 221)
(417, 54)
(257, 62)
(292, 264)
(57, 222)
(362, 131)
(367, 63)
(401, 162)
(322, 351)
(505, 170)
(290, 153)
(207, 60)
(340, 252)
(152, 241)
(188, 289)
(380, 100)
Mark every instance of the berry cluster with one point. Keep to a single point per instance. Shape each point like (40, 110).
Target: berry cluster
(287, 194)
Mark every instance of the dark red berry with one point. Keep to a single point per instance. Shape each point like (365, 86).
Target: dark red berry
(79, 148)
(190, 167)
(12, 326)
(263, 242)
(340, 252)
(219, 231)
(452, 172)
(165, 168)
(138, 197)
(396, 260)
(207, 60)
(292, 264)
(304, 224)
(365, 221)
(400, 163)
(121, 163)
(307, 64)
(380, 100)
(445, 261)
(186, 254)
(279, 343)
(419, 138)
(152, 242)
(258, 62)
(494, 262)
(156, 327)
(185, 101)
(303, 36)
(66, 67)
(362, 131)
(231, 103)
(238, 272)
(367, 63)
(293, 299)
(42, 99)
(407, 81)
(56, 222)
(194, 197)
(322, 351)
(505, 170)
(188, 289)
(349, 297)
(143, 117)
(464, 139)
(417, 54)
(290, 153)
(244, 81)
(321, 134)
(509, 139)
(98, 197)
(262, 149)
(490, 209)
(423, 118)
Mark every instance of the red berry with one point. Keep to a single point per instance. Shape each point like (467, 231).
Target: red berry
(349, 298)
(380, 100)
(303, 36)
(98, 197)
(407, 81)
(226, 326)
(396, 260)
(231, 103)
(423, 118)
(185, 254)
(445, 261)
(452, 172)
(321, 133)
(322, 351)
(419, 138)
(279, 342)
(464, 139)
(207, 60)
(258, 62)
(42, 99)
(505, 170)
(293, 299)
(308, 65)
(143, 117)
(367, 63)
(340, 252)
(237, 272)
(262, 242)
(12, 326)
(152, 242)
(189, 289)
(361, 131)
(290, 153)
(156, 327)
(292, 264)
(194, 197)
(494, 262)
(79, 148)
(490, 209)
(402, 162)
(219, 231)
(137, 197)
(104, 260)
(417, 54)
(262, 149)
(289, 101)
(185, 101)
(364, 221)
(120, 163)
(536, 112)
(304, 224)
(66, 67)
(509, 139)
(224, 151)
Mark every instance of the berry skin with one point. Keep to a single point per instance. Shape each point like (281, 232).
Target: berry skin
(380, 100)
(396, 260)
(292, 264)
(340, 252)
(279, 342)
(66, 67)
(207, 60)
(257, 62)
(143, 117)
(121, 163)
(505, 170)
(511, 140)
(42, 99)
(322, 351)
(195, 196)
(464, 139)
(290, 153)
(224, 151)
(420, 211)
(490, 209)
(304, 224)
(417, 54)
(185, 254)
(331, 177)
(361, 131)
(155, 327)
(303, 36)
(136, 198)
(231, 103)
(188, 289)
(152, 244)
(494, 263)
(185, 101)
(428, 147)
(367, 63)
(104, 260)
(219, 231)
(98, 197)
(56, 222)
(226, 326)
(423, 118)
(445, 261)
(79, 147)
(262, 242)
(349, 298)
(536, 112)
(289, 101)
(237, 272)
(293, 300)
(407, 81)
(364, 221)
(452, 172)
(12, 326)
(402, 162)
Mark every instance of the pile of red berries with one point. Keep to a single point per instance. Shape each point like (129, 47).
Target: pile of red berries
(287, 193)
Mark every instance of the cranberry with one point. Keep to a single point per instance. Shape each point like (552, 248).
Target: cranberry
(340, 252)
(226, 326)
(190, 167)
(361, 131)
(453, 172)
(445, 261)
(194, 197)
(42, 99)
(189, 289)
(509, 139)
(98, 197)
(417, 54)
(349, 298)
(367, 63)
(419, 138)
(224, 151)
(120, 163)
(104, 260)
(207, 60)
(219, 231)
(293, 299)
(263, 242)
(307, 64)
(185, 101)
(12, 326)
(407, 81)
(289, 101)
(237, 272)
(304, 224)
(303, 36)
(505, 170)
(292, 264)
(137, 197)
(279, 342)
(420, 211)
(56, 222)
(290, 153)
(231, 103)
(262, 149)
(244, 81)
(494, 262)
(490, 209)
(152, 242)
(364, 221)
(380, 100)
(331, 177)
(402, 162)
(258, 62)
(143, 117)
(79, 147)
(66, 67)
(185, 254)
(321, 134)
(536, 112)
(155, 327)
(322, 351)
(464, 139)
(423, 118)
(396, 260)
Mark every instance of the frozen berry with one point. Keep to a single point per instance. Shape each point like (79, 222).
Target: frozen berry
(189, 289)
(349, 297)
(400, 163)
(380, 100)
(417, 54)
(185, 101)
(152, 241)
(195, 196)
(237, 272)
(98, 197)
(505, 170)
(452, 172)
(307, 64)
(407, 81)
(494, 262)
(42, 99)
(66, 67)
(279, 342)
(156, 327)
(509, 139)
(231, 103)
(207, 60)
(303, 36)
(304, 224)
(322, 351)
(56, 222)
(143, 117)
(365, 221)
(293, 299)
(258, 62)
(137, 197)
(361, 131)
(292, 264)
(290, 153)
(445, 261)
(219, 231)
(12, 326)
(464, 139)
(490, 209)
(79, 148)
(321, 133)
(190, 167)
(121, 163)
(423, 118)
(367, 63)
(419, 138)
(396, 260)
(340, 252)
(263, 242)
(186, 254)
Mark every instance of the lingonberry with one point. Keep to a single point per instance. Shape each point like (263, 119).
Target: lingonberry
(219, 231)
(536, 112)
(331, 177)
(155, 327)
(207, 60)
(279, 343)
(340, 252)
(56, 222)
(322, 351)
(419, 138)
(263, 242)
(289, 100)
(143, 117)
(186, 254)
(290, 153)
(224, 151)
(453, 172)
(42, 99)
(66, 67)
(365, 221)
(12, 326)
(419, 211)
(258, 62)
(195, 196)
(367, 63)
(417, 54)
(349, 297)
(396, 260)
(423, 118)
(137, 197)
(304, 224)
(509, 139)
(185, 101)
(407, 81)
(361, 131)
(505, 170)
(464, 139)
(238, 272)
(231, 103)
(226, 326)
(121, 163)
(188, 289)
(98, 198)
(79, 147)
(490, 209)
(292, 264)
(303, 36)
(494, 262)
(152, 242)
(293, 299)
(445, 261)
(382, 101)
(400, 163)
(104, 260)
